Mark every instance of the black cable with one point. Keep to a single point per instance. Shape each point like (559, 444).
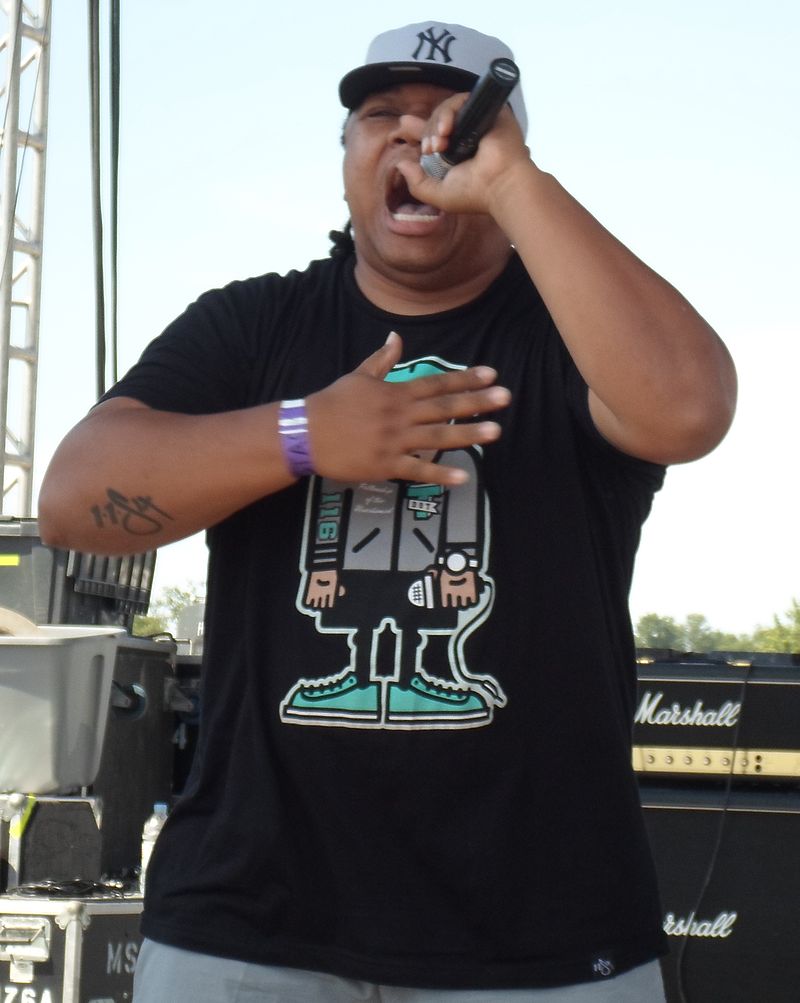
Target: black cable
(714, 859)
(97, 214)
(69, 888)
(114, 180)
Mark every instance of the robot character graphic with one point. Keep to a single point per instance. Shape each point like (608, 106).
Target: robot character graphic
(399, 569)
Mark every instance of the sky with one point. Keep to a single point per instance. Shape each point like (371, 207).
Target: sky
(675, 123)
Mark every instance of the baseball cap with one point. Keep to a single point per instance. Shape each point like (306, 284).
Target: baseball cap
(430, 52)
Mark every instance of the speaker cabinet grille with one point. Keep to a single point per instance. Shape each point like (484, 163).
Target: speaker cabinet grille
(730, 888)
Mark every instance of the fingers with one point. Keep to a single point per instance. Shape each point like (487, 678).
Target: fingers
(440, 384)
(442, 396)
(438, 131)
(441, 124)
(431, 405)
(423, 471)
(469, 186)
(447, 407)
(429, 439)
(366, 427)
(380, 363)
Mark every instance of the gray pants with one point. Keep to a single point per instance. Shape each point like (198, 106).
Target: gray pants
(168, 973)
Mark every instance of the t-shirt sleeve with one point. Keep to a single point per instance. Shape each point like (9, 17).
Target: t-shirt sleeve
(201, 362)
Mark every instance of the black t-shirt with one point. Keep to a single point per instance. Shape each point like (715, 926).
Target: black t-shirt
(425, 780)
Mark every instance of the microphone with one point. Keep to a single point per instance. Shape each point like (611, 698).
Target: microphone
(476, 117)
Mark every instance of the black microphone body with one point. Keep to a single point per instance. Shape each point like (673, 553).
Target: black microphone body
(476, 117)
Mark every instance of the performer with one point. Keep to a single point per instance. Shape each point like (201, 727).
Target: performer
(423, 465)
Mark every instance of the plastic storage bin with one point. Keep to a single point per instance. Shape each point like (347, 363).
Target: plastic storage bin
(54, 699)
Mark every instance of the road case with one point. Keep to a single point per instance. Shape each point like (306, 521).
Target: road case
(68, 950)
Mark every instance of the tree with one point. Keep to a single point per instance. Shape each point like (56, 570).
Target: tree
(694, 634)
(162, 615)
(654, 631)
(146, 625)
(783, 635)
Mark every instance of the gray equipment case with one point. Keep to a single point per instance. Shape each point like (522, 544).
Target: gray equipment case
(68, 950)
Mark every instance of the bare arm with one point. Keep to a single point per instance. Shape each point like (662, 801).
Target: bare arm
(662, 386)
(129, 478)
(183, 472)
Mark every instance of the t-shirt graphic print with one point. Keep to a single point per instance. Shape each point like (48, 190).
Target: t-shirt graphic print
(398, 569)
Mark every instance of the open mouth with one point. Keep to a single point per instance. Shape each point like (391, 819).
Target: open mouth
(403, 206)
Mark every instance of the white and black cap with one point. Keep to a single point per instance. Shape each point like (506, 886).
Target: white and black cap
(430, 52)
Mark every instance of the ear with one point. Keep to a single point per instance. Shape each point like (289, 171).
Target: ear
(343, 134)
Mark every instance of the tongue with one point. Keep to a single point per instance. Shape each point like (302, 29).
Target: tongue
(415, 209)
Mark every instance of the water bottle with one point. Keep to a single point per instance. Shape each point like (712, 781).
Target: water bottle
(152, 827)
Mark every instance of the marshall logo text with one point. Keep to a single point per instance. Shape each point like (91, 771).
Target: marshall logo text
(720, 927)
(650, 711)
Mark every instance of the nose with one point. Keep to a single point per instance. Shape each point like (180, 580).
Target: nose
(408, 130)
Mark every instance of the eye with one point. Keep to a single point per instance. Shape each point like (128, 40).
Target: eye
(380, 111)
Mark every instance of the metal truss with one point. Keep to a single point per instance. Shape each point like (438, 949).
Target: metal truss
(24, 66)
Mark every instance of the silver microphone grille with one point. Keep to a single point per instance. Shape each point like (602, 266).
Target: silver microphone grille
(434, 165)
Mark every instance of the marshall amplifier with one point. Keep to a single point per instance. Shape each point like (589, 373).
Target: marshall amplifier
(716, 716)
(730, 891)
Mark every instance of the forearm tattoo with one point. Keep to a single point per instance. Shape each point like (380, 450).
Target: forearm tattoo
(139, 516)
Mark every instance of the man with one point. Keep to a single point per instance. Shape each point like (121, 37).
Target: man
(413, 776)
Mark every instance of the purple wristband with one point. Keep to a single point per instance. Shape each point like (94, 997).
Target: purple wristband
(293, 429)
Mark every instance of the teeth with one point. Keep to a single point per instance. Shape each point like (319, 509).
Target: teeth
(413, 217)
(404, 208)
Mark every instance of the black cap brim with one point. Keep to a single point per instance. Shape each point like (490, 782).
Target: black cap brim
(365, 80)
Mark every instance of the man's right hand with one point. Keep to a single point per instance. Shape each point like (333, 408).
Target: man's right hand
(364, 428)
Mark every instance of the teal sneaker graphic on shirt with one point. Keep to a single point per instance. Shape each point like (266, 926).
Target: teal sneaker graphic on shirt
(428, 700)
(338, 699)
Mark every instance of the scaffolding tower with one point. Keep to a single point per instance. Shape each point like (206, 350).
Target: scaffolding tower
(24, 58)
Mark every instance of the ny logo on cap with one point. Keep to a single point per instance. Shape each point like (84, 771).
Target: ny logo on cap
(435, 45)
